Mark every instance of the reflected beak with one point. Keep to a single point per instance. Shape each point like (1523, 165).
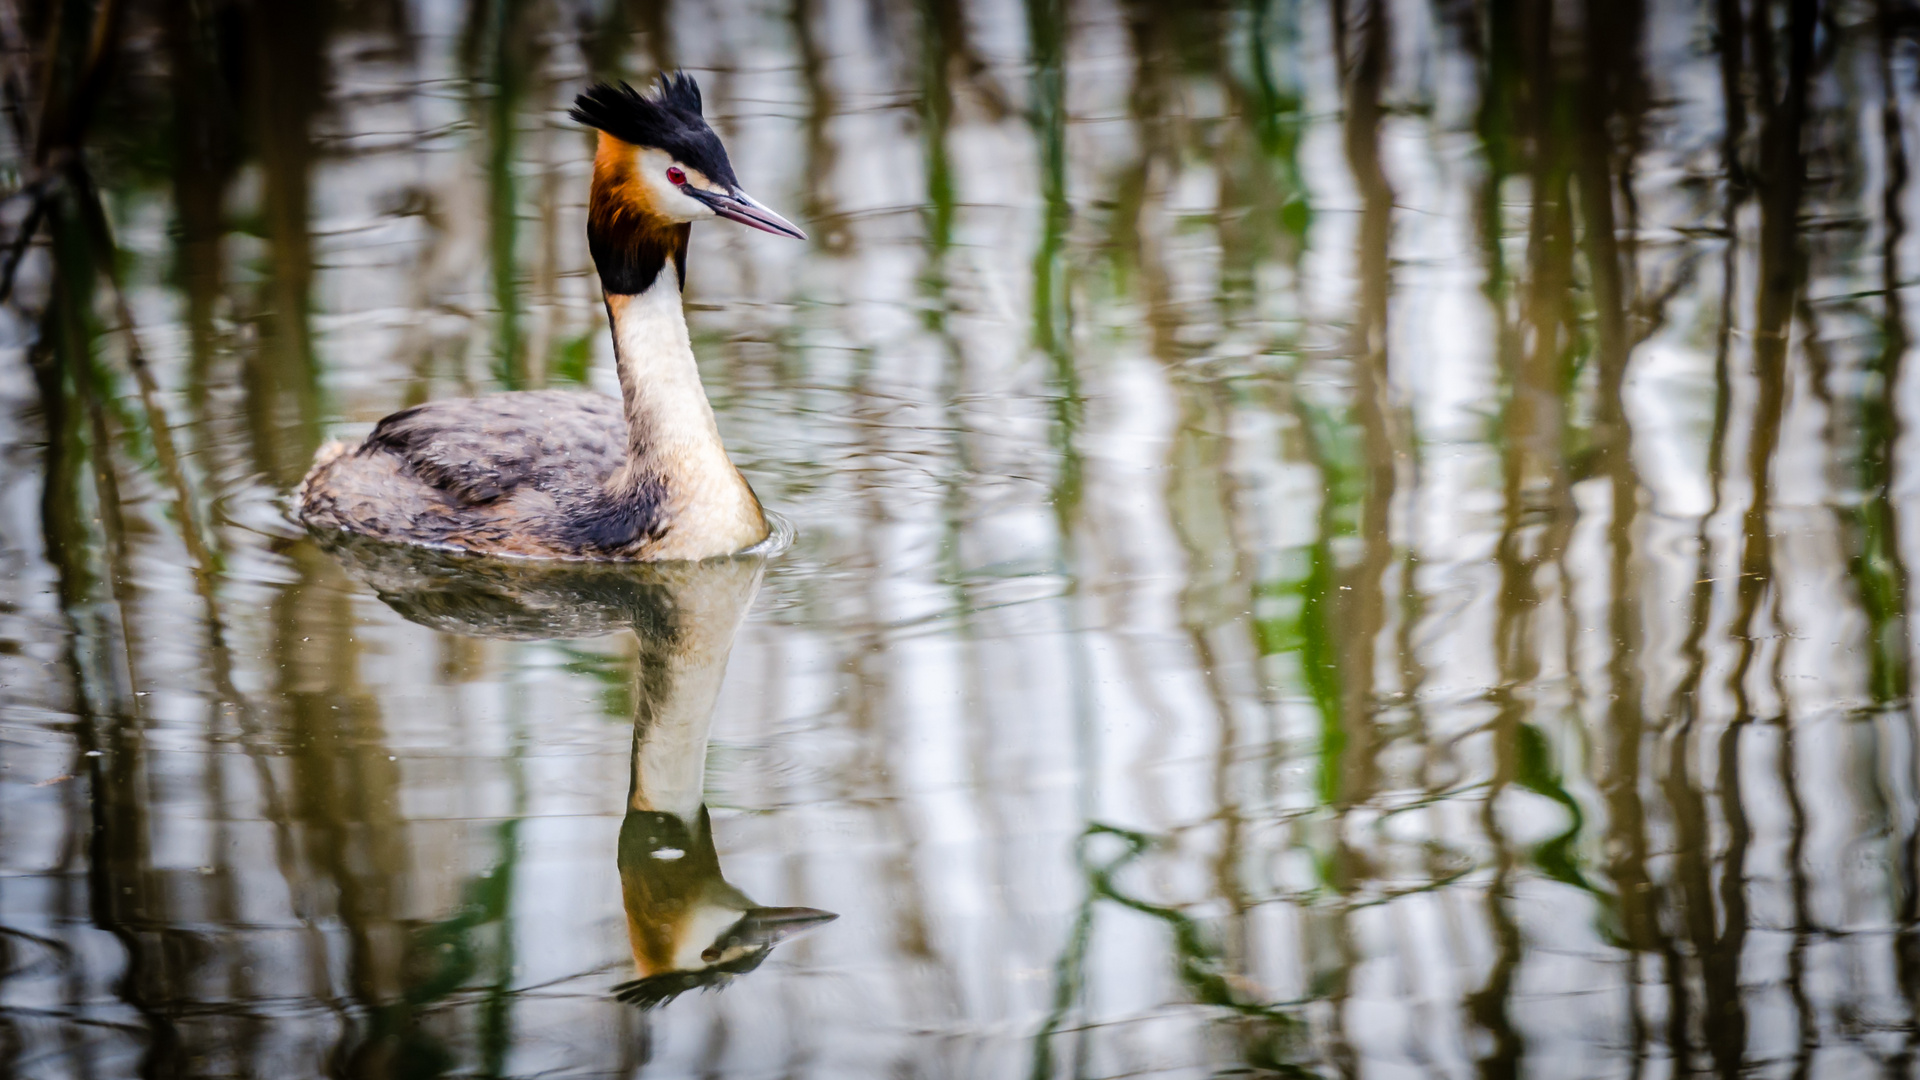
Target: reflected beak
(741, 207)
(772, 925)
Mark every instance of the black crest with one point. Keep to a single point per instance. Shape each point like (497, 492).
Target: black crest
(670, 121)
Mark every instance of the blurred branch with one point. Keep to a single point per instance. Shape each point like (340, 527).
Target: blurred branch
(29, 225)
(57, 163)
(100, 235)
(98, 231)
(57, 167)
(62, 118)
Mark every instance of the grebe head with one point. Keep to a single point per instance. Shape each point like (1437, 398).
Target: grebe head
(659, 160)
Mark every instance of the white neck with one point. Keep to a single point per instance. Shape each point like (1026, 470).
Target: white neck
(667, 409)
(671, 432)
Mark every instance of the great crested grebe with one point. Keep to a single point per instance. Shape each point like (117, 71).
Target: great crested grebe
(556, 474)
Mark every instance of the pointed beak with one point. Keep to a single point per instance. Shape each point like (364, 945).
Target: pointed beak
(743, 208)
(772, 925)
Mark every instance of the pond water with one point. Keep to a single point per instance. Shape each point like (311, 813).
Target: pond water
(1348, 538)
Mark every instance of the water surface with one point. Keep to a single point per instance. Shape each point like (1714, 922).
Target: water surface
(1349, 538)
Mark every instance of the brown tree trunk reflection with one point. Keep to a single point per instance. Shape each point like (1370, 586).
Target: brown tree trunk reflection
(287, 77)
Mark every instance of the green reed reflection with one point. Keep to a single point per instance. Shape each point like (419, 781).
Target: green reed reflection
(1270, 1036)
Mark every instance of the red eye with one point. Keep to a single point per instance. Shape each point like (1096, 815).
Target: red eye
(675, 175)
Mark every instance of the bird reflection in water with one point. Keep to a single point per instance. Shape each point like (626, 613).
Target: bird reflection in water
(690, 928)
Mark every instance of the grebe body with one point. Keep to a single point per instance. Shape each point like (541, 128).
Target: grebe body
(555, 474)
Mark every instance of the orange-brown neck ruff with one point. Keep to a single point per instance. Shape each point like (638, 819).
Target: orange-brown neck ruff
(630, 240)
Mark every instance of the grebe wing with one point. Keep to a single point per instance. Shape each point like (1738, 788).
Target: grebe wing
(480, 449)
